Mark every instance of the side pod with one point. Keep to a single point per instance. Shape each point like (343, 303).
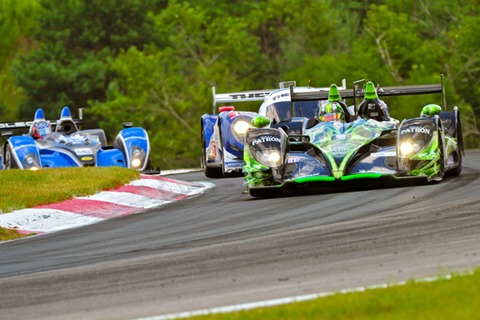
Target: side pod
(22, 152)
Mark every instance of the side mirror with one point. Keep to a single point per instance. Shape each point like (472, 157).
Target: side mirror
(260, 122)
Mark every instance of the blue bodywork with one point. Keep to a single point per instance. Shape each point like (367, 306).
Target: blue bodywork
(70, 147)
(222, 147)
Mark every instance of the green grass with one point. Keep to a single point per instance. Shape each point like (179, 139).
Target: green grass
(455, 298)
(6, 234)
(21, 189)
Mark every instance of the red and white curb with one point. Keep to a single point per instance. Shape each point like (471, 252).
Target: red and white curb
(148, 192)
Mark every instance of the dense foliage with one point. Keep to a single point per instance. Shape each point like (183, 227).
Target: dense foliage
(154, 62)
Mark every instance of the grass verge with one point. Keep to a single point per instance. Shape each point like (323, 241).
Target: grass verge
(21, 189)
(454, 298)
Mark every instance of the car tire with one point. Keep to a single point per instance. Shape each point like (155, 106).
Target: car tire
(210, 172)
(8, 162)
(458, 169)
(442, 157)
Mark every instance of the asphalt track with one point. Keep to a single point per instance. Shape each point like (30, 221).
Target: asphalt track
(224, 247)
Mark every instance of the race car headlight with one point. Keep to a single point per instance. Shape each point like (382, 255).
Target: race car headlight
(138, 156)
(31, 162)
(241, 127)
(269, 158)
(274, 157)
(267, 146)
(136, 163)
(408, 148)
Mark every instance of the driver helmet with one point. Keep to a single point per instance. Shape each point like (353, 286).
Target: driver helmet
(41, 129)
(330, 112)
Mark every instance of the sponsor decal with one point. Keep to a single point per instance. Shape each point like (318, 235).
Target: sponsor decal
(15, 125)
(235, 164)
(86, 158)
(415, 129)
(136, 138)
(340, 150)
(83, 151)
(265, 139)
(293, 160)
(249, 95)
(341, 137)
(384, 154)
(25, 124)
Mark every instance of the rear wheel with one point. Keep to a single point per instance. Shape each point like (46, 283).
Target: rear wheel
(210, 172)
(458, 169)
(213, 172)
(441, 161)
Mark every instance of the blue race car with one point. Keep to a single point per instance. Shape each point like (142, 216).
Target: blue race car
(223, 134)
(55, 144)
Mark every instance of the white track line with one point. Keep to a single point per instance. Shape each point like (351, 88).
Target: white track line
(282, 301)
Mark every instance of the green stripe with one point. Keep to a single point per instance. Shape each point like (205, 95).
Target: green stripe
(362, 175)
(313, 179)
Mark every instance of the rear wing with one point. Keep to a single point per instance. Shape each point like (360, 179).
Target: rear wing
(381, 92)
(18, 125)
(254, 95)
(242, 96)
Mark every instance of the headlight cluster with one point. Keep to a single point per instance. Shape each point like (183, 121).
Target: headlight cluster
(274, 157)
(408, 148)
(267, 146)
(269, 158)
(240, 128)
(137, 156)
(31, 162)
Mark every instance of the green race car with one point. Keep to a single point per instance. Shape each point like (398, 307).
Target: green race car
(343, 143)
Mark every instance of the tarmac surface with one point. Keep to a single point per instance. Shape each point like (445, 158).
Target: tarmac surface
(225, 247)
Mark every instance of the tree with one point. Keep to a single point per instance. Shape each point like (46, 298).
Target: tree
(166, 89)
(16, 22)
(77, 40)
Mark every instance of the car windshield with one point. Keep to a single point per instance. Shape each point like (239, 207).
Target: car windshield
(77, 138)
(281, 111)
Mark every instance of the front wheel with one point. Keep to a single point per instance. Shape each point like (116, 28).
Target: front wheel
(458, 169)
(8, 162)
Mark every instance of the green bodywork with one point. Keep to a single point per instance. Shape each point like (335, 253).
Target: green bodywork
(260, 122)
(431, 110)
(334, 94)
(431, 154)
(370, 92)
(256, 174)
(339, 141)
